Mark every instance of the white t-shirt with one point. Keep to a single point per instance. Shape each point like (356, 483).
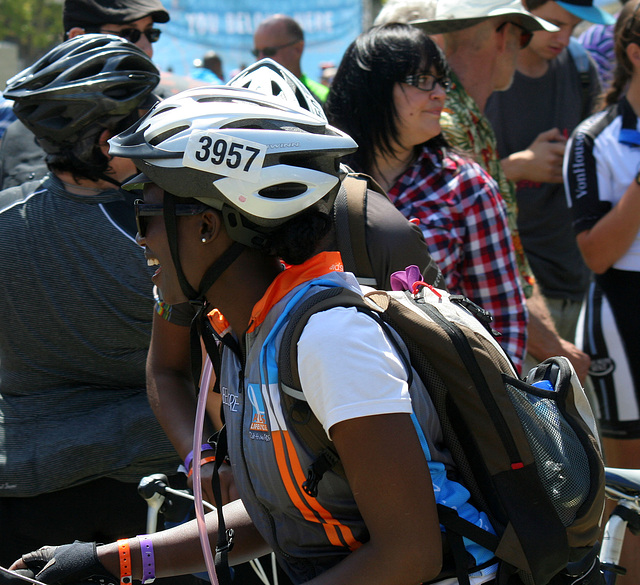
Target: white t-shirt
(378, 386)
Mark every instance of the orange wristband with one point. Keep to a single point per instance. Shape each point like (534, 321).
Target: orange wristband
(203, 461)
(124, 552)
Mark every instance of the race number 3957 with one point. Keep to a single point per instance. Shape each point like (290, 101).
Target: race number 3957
(224, 155)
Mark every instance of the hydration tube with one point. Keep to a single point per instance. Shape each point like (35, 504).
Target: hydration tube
(197, 485)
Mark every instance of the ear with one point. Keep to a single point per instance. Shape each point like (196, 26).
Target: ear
(211, 226)
(75, 31)
(103, 144)
(633, 52)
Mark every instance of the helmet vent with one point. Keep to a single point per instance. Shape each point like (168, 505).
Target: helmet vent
(283, 191)
(160, 138)
(84, 73)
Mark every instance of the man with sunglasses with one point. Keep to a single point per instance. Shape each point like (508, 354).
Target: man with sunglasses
(132, 20)
(556, 92)
(281, 38)
(21, 158)
(482, 40)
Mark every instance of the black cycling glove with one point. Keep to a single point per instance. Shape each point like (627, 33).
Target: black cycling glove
(69, 563)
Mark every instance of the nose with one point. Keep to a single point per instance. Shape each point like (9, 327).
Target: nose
(438, 92)
(144, 44)
(140, 240)
(564, 36)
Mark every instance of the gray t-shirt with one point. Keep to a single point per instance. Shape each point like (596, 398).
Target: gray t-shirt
(75, 330)
(518, 115)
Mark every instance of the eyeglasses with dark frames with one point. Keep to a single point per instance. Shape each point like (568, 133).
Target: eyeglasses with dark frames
(525, 35)
(144, 210)
(133, 34)
(271, 51)
(427, 82)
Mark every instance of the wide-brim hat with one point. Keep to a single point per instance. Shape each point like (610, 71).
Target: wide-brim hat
(89, 14)
(452, 15)
(585, 10)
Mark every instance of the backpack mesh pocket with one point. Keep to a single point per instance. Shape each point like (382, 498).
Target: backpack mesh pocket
(560, 458)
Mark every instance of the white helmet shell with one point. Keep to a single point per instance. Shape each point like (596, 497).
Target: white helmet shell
(270, 78)
(233, 146)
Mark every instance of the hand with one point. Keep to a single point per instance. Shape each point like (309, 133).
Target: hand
(7, 578)
(69, 563)
(227, 483)
(541, 162)
(580, 360)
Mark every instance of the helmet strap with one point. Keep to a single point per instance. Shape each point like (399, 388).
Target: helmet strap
(213, 272)
(111, 180)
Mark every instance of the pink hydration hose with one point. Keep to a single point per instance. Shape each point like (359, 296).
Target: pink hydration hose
(197, 485)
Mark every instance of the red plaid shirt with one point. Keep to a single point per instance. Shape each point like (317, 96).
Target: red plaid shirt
(464, 222)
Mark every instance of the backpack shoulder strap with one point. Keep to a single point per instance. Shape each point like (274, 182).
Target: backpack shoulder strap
(580, 59)
(294, 403)
(351, 222)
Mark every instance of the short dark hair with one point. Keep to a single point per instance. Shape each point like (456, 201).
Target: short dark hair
(85, 159)
(361, 99)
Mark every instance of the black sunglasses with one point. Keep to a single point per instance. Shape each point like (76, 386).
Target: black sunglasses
(427, 82)
(133, 34)
(271, 51)
(525, 35)
(144, 210)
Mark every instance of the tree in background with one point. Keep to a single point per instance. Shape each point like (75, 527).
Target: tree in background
(33, 25)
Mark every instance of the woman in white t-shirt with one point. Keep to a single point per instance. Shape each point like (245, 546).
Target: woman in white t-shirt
(235, 184)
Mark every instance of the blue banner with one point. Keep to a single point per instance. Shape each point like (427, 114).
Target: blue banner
(198, 26)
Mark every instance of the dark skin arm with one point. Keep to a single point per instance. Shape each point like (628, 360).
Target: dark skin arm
(171, 391)
(397, 504)
(390, 480)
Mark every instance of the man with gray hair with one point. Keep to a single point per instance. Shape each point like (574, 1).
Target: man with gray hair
(482, 39)
(406, 11)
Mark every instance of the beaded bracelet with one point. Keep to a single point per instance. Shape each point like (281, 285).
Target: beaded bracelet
(124, 553)
(148, 560)
(189, 458)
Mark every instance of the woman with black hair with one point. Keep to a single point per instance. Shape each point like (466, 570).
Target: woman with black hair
(388, 95)
(235, 182)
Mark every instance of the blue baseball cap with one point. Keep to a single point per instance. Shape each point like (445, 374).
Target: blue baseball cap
(585, 10)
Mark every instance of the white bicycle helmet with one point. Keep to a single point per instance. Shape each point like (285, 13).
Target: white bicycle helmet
(238, 151)
(270, 78)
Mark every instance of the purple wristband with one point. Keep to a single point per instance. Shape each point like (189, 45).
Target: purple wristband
(189, 458)
(148, 560)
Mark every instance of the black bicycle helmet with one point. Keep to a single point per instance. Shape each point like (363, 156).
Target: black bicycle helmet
(88, 81)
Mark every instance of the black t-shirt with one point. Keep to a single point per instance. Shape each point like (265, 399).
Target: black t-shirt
(531, 106)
